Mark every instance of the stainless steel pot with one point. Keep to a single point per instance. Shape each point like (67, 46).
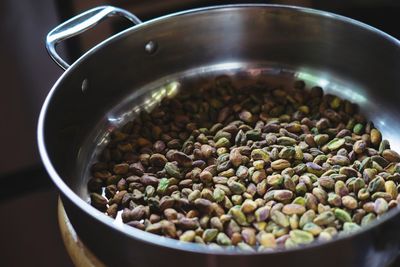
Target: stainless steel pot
(136, 67)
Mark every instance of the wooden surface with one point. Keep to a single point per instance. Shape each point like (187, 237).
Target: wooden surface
(80, 255)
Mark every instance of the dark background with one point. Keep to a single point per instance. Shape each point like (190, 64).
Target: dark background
(28, 223)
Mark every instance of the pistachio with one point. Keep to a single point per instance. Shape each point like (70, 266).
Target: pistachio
(235, 157)
(98, 201)
(349, 202)
(236, 187)
(238, 215)
(168, 228)
(222, 142)
(358, 128)
(391, 155)
(289, 243)
(349, 227)
(223, 239)
(339, 160)
(203, 204)
(326, 182)
(182, 159)
(383, 145)
(158, 160)
(249, 236)
(334, 200)
(363, 194)
(262, 213)
(380, 206)
(275, 180)
(367, 219)
(154, 228)
(324, 236)
(299, 201)
(246, 116)
(342, 215)
(187, 236)
(147, 179)
(257, 176)
(259, 154)
(311, 201)
(294, 221)
(289, 184)
(249, 206)
(286, 141)
(341, 189)
(267, 240)
(283, 195)
(112, 210)
(280, 218)
(366, 163)
(320, 194)
(280, 164)
(301, 237)
(195, 194)
(321, 139)
(162, 186)
(314, 168)
(218, 195)
(122, 168)
(383, 195)
(245, 247)
(377, 184)
(380, 161)
(312, 228)
(369, 174)
(242, 172)
(209, 235)
(324, 218)
(166, 202)
(359, 146)
(376, 137)
(336, 143)
(188, 223)
(258, 164)
(291, 209)
(172, 170)
(369, 206)
(390, 188)
(307, 217)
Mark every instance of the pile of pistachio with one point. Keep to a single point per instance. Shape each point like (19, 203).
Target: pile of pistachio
(253, 167)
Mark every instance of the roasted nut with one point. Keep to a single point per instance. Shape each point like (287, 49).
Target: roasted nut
(249, 167)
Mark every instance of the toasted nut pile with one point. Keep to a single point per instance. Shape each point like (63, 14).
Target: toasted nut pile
(253, 167)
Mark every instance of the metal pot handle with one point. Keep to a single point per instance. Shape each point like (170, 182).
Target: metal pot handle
(79, 24)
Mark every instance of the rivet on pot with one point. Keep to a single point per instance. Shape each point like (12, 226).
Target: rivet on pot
(151, 47)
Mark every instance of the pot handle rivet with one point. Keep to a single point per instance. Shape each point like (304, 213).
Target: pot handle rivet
(151, 47)
(79, 24)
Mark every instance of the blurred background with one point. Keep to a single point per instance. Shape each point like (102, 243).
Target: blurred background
(28, 200)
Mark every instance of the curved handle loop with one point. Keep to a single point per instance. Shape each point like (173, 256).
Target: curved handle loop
(79, 24)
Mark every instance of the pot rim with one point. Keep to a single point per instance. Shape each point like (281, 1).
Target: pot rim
(154, 239)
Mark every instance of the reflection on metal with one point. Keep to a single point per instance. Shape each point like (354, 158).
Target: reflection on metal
(84, 86)
(149, 99)
(347, 91)
(168, 90)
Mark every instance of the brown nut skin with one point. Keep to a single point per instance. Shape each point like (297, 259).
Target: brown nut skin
(257, 169)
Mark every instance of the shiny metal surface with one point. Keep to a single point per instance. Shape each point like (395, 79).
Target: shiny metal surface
(274, 43)
(79, 24)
